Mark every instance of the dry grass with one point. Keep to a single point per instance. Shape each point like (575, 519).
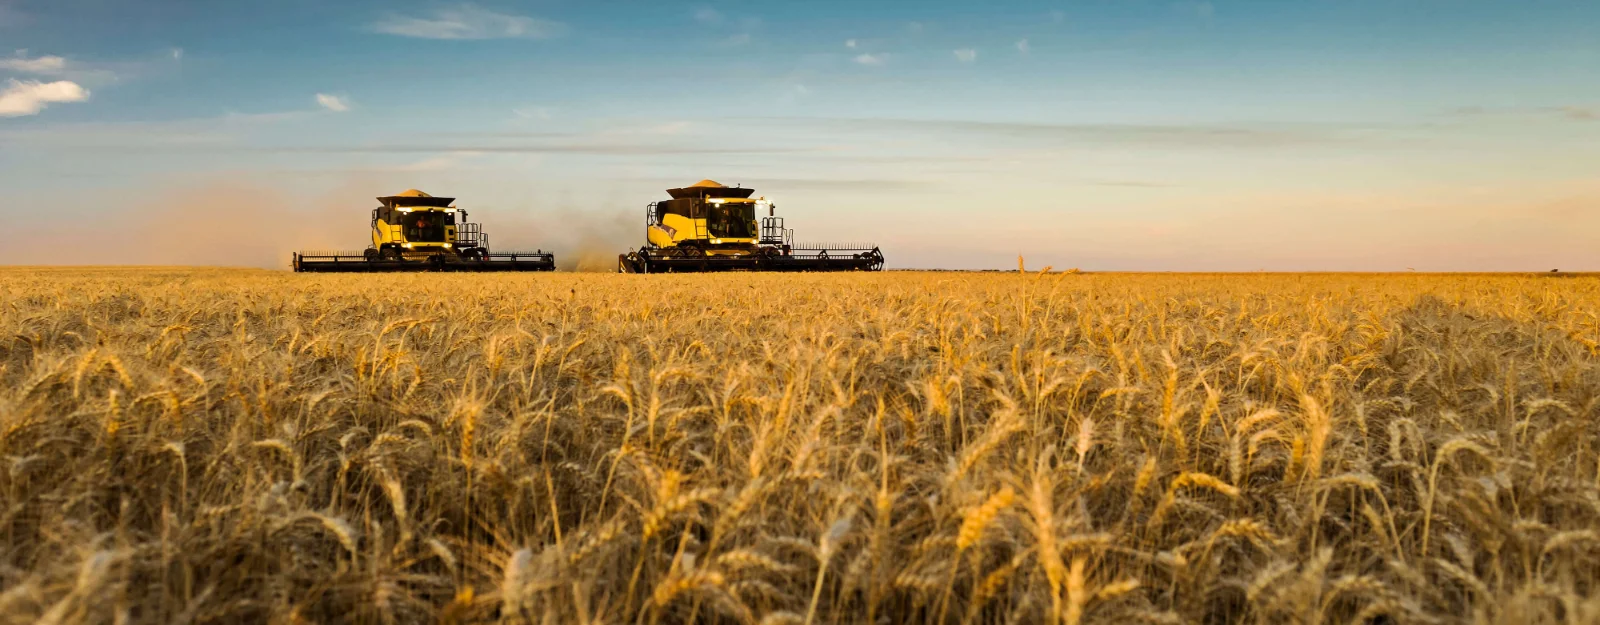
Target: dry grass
(216, 447)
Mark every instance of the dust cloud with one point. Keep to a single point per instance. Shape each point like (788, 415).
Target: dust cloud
(232, 224)
(583, 239)
(596, 239)
(243, 223)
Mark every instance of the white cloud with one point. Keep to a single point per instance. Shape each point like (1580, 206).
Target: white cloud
(532, 112)
(1022, 46)
(28, 97)
(850, 43)
(966, 55)
(870, 59)
(41, 65)
(177, 54)
(468, 21)
(333, 103)
(708, 15)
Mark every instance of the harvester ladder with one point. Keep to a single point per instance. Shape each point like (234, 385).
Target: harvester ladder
(700, 229)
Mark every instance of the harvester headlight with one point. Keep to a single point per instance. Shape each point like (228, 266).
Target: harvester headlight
(716, 241)
(408, 246)
(447, 246)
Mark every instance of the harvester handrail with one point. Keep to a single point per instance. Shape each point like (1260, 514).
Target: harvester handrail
(834, 246)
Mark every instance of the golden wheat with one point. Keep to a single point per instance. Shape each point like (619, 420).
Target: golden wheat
(227, 446)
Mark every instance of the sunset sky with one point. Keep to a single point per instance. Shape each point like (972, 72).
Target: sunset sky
(1111, 135)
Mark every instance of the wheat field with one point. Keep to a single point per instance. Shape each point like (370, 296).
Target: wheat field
(224, 446)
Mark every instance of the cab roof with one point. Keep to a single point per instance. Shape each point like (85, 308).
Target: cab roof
(709, 189)
(413, 197)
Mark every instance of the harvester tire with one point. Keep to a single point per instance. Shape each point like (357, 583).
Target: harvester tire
(391, 254)
(370, 255)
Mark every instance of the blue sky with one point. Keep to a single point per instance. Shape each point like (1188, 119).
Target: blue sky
(1121, 134)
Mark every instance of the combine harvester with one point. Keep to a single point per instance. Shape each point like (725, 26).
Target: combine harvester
(710, 227)
(414, 231)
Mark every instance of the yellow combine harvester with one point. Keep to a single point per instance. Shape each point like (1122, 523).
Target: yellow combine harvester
(414, 231)
(709, 227)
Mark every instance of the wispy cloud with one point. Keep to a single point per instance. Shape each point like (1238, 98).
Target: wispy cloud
(10, 16)
(1581, 113)
(966, 55)
(226, 131)
(1150, 135)
(598, 149)
(869, 59)
(1569, 112)
(28, 97)
(533, 112)
(177, 54)
(742, 26)
(468, 21)
(1203, 10)
(333, 103)
(1022, 46)
(46, 65)
(850, 43)
(708, 15)
(437, 163)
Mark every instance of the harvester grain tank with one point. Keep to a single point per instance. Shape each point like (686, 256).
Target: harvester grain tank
(710, 227)
(414, 231)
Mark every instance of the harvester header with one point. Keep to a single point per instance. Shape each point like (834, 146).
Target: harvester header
(415, 231)
(707, 226)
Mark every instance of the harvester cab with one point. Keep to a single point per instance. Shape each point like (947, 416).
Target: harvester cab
(710, 227)
(414, 231)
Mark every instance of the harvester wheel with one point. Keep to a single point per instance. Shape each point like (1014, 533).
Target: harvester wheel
(370, 255)
(391, 254)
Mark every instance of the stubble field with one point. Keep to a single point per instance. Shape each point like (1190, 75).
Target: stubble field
(217, 446)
